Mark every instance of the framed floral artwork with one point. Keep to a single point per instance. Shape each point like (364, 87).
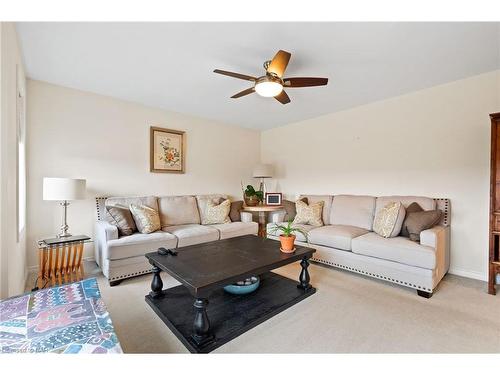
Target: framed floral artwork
(167, 150)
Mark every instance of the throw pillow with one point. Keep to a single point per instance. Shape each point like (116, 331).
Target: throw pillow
(122, 219)
(420, 221)
(309, 214)
(412, 208)
(146, 219)
(235, 211)
(388, 220)
(216, 213)
(290, 209)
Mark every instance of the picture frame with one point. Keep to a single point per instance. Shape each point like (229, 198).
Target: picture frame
(274, 199)
(167, 150)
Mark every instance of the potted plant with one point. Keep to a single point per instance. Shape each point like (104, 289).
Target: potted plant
(287, 237)
(252, 197)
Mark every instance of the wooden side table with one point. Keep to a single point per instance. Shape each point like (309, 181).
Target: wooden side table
(60, 260)
(262, 209)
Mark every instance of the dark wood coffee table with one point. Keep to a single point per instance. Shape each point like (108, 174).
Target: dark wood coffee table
(204, 269)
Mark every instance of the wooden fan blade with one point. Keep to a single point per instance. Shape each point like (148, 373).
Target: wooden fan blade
(304, 81)
(279, 63)
(235, 75)
(243, 93)
(282, 97)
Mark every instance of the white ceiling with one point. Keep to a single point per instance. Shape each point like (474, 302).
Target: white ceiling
(169, 65)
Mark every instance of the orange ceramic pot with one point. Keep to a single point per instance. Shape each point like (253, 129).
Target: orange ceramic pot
(287, 243)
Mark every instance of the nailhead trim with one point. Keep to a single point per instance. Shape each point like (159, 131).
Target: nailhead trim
(381, 277)
(99, 214)
(445, 208)
(121, 277)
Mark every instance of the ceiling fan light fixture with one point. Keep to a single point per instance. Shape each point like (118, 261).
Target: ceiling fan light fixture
(268, 87)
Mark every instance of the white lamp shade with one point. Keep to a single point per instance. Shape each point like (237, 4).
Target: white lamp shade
(63, 189)
(263, 170)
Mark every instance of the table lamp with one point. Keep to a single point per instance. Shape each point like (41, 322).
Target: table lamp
(64, 190)
(263, 171)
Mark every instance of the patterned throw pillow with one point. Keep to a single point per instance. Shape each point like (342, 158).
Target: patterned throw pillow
(309, 214)
(216, 213)
(389, 220)
(146, 219)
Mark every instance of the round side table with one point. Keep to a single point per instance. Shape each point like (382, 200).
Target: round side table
(262, 209)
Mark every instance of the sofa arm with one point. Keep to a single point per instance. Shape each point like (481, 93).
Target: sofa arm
(246, 217)
(104, 232)
(438, 238)
(277, 216)
(432, 237)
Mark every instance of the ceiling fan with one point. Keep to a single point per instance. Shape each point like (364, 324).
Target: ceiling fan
(272, 84)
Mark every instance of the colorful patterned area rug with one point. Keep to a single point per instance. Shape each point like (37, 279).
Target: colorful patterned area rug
(70, 318)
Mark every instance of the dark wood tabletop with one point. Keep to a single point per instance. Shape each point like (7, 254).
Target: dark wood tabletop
(205, 267)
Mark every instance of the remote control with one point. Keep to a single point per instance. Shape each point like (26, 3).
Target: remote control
(163, 251)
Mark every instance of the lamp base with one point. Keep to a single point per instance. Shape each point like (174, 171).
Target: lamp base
(64, 226)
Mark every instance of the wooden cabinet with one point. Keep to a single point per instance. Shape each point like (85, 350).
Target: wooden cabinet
(494, 259)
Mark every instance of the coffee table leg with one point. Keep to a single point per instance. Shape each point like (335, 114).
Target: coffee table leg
(156, 283)
(304, 275)
(201, 326)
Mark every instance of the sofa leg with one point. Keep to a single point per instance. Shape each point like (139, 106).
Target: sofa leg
(424, 294)
(115, 282)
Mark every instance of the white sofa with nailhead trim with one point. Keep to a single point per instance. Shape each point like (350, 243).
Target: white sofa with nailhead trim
(123, 257)
(347, 241)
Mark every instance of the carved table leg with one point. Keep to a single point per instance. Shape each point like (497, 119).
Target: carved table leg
(304, 275)
(201, 325)
(156, 283)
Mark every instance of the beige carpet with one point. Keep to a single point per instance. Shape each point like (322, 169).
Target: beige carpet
(349, 313)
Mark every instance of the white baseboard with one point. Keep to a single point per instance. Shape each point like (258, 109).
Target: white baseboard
(32, 269)
(468, 274)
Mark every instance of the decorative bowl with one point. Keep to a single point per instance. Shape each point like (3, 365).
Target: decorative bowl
(243, 287)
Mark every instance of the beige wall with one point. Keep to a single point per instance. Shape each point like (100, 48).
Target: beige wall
(106, 141)
(12, 245)
(433, 142)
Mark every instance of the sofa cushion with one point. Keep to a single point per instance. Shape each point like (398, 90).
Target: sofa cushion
(138, 244)
(192, 234)
(327, 205)
(336, 236)
(424, 202)
(236, 229)
(178, 210)
(389, 220)
(149, 201)
(299, 236)
(396, 249)
(355, 210)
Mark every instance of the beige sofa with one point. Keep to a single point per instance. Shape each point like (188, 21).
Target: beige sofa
(123, 257)
(347, 241)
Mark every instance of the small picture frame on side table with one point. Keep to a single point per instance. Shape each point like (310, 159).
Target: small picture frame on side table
(273, 199)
